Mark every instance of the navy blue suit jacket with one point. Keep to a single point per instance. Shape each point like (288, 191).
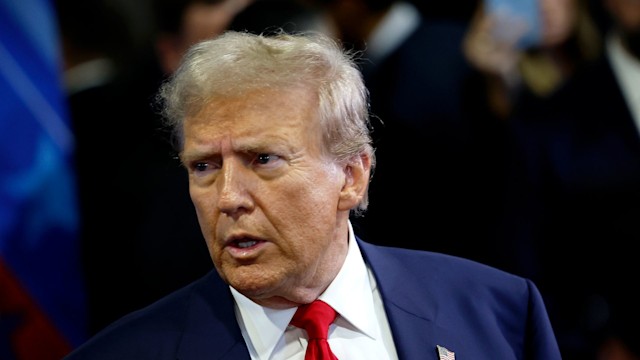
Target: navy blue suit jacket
(431, 299)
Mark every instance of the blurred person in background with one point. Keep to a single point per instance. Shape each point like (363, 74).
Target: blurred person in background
(571, 217)
(522, 53)
(417, 75)
(524, 57)
(96, 55)
(181, 24)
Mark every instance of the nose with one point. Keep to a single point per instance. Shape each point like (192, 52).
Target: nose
(235, 197)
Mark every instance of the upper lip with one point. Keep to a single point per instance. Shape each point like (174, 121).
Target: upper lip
(241, 237)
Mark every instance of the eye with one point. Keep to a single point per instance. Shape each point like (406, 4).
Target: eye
(266, 161)
(263, 158)
(200, 167)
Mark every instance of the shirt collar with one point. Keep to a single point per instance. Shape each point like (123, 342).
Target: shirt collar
(353, 279)
(265, 326)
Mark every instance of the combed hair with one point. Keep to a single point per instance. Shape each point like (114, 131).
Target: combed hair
(235, 63)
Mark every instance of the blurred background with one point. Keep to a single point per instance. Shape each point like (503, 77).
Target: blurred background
(507, 132)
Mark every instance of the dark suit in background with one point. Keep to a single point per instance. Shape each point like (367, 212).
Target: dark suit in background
(422, 91)
(574, 209)
(139, 233)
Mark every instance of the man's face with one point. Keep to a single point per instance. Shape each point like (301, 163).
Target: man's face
(268, 200)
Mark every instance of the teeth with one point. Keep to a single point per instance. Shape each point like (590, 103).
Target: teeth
(246, 244)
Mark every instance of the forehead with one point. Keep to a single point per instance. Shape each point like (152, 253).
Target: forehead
(291, 112)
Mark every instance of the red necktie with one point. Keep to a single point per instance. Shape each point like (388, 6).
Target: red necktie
(315, 318)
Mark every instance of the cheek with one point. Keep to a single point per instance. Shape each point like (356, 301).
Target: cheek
(197, 199)
(305, 208)
(317, 195)
(204, 208)
(300, 209)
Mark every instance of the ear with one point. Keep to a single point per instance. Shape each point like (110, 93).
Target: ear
(356, 181)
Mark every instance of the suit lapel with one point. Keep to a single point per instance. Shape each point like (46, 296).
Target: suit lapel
(211, 326)
(411, 314)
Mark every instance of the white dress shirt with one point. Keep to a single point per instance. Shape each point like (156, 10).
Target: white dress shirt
(627, 71)
(360, 332)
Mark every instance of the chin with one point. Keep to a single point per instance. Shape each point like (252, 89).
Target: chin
(251, 283)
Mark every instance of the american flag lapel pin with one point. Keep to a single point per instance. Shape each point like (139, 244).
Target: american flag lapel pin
(445, 354)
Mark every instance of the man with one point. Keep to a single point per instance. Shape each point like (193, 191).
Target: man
(273, 132)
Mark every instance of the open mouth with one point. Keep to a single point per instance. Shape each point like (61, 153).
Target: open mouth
(244, 243)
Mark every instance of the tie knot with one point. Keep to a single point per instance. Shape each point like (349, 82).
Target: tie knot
(315, 318)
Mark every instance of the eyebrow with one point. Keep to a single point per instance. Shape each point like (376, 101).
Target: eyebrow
(257, 146)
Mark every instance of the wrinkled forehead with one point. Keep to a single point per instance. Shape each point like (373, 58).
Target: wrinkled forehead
(258, 101)
(257, 111)
(265, 120)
